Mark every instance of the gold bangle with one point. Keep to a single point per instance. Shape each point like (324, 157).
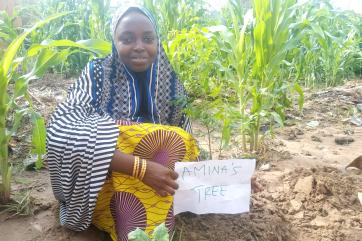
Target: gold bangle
(143, 169)
(136, 166)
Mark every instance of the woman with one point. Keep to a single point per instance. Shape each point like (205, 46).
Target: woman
(113, 144)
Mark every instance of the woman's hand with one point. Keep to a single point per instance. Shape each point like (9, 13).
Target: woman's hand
(161, 179)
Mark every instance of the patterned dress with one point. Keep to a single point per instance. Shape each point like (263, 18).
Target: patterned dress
(125, 202)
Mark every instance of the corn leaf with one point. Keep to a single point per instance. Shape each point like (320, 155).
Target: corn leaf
(13, 48)
(47, 58)
(97, 46)
(299, 90)
(38, 138)
(18, 116)
(277, 118)
(226, 131)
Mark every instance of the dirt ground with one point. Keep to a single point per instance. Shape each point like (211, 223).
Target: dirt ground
(307, 193)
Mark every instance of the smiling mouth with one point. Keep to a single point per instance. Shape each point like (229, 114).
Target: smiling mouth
(139, 60)
(138, 57)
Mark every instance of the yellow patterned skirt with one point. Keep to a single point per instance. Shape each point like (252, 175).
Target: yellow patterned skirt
(125, 203)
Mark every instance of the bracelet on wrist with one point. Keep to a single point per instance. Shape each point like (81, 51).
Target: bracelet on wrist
(136, 165)
(139, 168)
(143, 169)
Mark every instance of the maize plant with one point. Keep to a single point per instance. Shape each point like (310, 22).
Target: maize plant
(13, 87)
(178, 14)
(328, 51)
(266, 87)
(255, 53)
(87, 20)
(7, 30)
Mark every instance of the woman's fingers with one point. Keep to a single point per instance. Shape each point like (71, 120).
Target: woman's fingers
(169, 185)
(170, 190)
(173, 174)
(171, 182)
(165, 190)
(162, 193)
(161, 179)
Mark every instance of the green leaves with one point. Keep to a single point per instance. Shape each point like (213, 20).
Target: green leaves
(327, 44)
(9, 72)
(178, 15)
(87, 20)
(159, 234)
(258, 52)
(13, 48)
(299, 90)
(46, 58)
(38, 138)
(99, 47)
(18, 116)
(138, 235)
(242, 71)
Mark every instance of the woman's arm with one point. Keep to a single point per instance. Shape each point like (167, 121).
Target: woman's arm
(159, 177)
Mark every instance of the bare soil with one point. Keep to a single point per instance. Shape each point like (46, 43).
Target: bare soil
(307, 193)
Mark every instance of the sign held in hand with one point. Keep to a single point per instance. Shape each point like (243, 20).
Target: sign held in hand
(217, 186)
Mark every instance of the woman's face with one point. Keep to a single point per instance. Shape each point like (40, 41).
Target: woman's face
(136, 41)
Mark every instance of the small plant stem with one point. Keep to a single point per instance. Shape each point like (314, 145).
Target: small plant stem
(251, 144)
(4, 165)
(256, 137)
(244, 141)
(209, 140)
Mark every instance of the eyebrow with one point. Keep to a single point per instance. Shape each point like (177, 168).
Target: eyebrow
(130, 32)
(126, 32)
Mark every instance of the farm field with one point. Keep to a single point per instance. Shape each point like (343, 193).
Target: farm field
(323, 206)
(275, 80)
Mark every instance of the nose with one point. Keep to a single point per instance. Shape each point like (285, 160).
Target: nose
(139, 45)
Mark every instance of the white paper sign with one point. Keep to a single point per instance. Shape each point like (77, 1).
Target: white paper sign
(218, 186)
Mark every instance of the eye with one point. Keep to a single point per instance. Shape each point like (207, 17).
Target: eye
(149, 39)
(127, 39)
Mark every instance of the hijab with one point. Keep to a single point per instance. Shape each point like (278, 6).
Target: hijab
(120, 95)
